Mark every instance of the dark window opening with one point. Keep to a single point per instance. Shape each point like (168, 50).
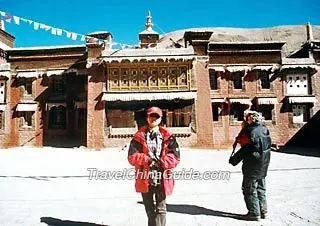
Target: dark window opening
(216, 108)
(26, 119)
(237, 111)
(265, 80)
(237, 80)
(266, 111)
(213, 80)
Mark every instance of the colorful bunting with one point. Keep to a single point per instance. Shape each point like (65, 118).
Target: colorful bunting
(56, 31)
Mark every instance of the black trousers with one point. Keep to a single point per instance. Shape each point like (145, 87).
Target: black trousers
(155, 205)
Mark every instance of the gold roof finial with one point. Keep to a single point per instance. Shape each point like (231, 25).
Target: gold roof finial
(149, 23)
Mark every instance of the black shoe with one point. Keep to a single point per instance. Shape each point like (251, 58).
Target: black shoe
(264, 215)
(250, 217)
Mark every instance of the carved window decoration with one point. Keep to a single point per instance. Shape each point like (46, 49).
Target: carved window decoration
(153, 71)
(297, 84)
(144, 77)
(154, 77)
(134, 77)
(163, 76)
(163, 71)
(125, 77)
(300, 113)
(163, 81)
(173, 77)
(183, 77)
(154, 81)
(115, 72)
(115, 77)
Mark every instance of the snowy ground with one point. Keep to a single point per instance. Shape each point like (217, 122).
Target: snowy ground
(53, 184)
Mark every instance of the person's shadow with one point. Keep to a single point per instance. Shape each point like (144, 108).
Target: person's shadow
(198, 210)
(50, 221)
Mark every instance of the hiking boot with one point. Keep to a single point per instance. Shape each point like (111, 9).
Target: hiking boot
(264, 215)
(250, 217)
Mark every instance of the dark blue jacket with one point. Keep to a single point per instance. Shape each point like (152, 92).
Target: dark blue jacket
(256, 155)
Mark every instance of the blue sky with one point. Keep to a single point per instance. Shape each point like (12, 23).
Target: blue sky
(126, 18)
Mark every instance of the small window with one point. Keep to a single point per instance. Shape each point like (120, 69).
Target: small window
(28, 87)
(213, 80)
(237, 111)
(265, 80)
(216, 109)
(237, 80)
(26, 119)
(58, 85)
(297, 84)
(300, 113)
(266, 111)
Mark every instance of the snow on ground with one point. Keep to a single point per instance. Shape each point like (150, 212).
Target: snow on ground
(53, 183)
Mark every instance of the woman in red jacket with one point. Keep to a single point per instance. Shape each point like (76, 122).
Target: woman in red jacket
(154, 152)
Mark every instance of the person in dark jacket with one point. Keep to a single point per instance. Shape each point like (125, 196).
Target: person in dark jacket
(255, 157)
(154, 152)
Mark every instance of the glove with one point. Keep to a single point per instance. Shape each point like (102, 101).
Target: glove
(232, 161)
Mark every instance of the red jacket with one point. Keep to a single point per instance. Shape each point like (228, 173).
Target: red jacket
(138, 156)
(243, 139)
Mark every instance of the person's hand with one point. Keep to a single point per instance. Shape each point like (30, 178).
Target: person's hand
(152, 164)
(234, 145)
(155, 164)
(232, 160)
